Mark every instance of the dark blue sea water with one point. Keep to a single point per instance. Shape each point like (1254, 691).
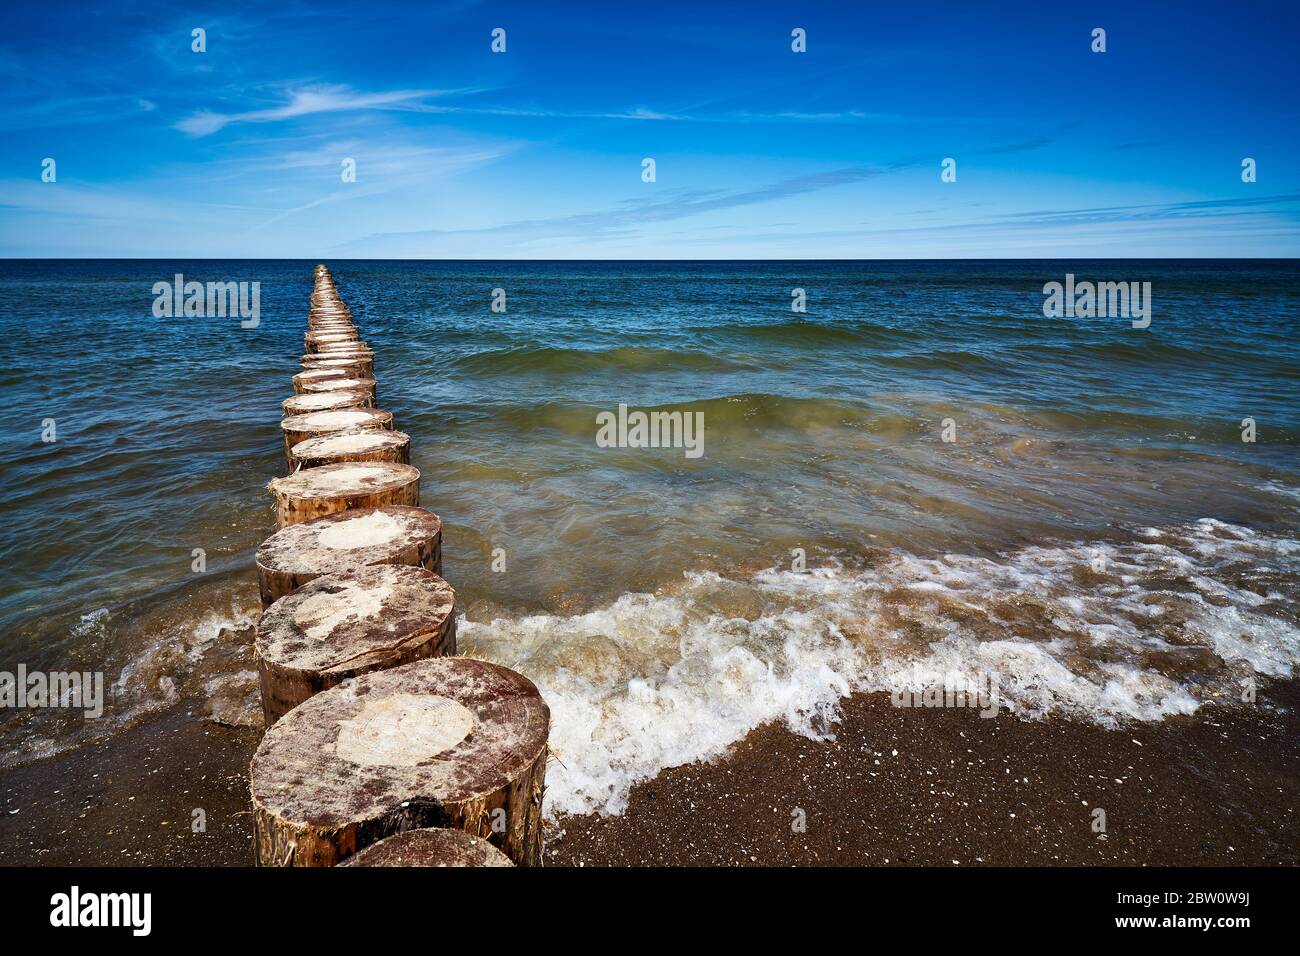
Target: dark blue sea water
(1097, 529)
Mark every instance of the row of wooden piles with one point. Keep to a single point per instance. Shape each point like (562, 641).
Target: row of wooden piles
(382, 747)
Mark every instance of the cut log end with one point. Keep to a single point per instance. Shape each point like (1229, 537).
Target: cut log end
(342, 625)
(315, 375)
(351, 445)
(309, 402)
(316, 492)
(354, 366)
(446, 742)
(430, 848)
(298, 428)
(346, 542)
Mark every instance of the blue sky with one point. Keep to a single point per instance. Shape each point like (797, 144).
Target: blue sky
(760, 152)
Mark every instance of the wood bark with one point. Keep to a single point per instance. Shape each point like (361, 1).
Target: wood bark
(449, 742)
(340, 626)
(344, 542)
(316, 492)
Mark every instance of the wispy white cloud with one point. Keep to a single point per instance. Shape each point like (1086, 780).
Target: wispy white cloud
(306, 101)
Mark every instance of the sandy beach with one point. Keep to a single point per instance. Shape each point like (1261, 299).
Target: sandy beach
(897, 787)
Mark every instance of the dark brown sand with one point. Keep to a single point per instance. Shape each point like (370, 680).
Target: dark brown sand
(131, 801)
(898, 786)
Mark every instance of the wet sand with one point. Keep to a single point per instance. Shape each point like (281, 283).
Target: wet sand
(946, 787)
(898, 786)
(130, 800)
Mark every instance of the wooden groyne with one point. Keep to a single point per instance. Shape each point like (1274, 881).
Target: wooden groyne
(378, 736)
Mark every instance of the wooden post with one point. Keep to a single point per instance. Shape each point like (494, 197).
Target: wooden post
(351, 445)
(298, 428)
(430, 848)
(316, 492)
(302, 379)
(309, 402)
(344, 542)
(366, 385)
(358, 366)
(447, 742)
(343, 625)
(316, 340)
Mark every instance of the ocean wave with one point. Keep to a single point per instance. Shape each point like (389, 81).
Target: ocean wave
(572, 361)
(1108, 632)
(803, 333)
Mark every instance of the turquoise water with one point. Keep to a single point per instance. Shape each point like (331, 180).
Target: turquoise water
(647, 589)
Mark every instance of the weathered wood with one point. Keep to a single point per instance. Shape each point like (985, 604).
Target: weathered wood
(448, 742)
(315, 341)
(355, 349)
(430, 847)
(316, 492)
(357, 366)
(343, 625)
(366, 385)
(298, 428)
(308, 402)
(344, 542)
(351, 445)
(303, 379)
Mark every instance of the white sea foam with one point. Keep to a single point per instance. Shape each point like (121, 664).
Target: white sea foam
(1100, 631)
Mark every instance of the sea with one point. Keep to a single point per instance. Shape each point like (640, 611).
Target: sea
(920, 472)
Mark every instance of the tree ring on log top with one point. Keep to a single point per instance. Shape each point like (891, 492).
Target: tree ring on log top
(316, 492)
(351, 445)
(309, 402)
(347, 541)
(314, 803)
(430, 847)
(342, 625)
